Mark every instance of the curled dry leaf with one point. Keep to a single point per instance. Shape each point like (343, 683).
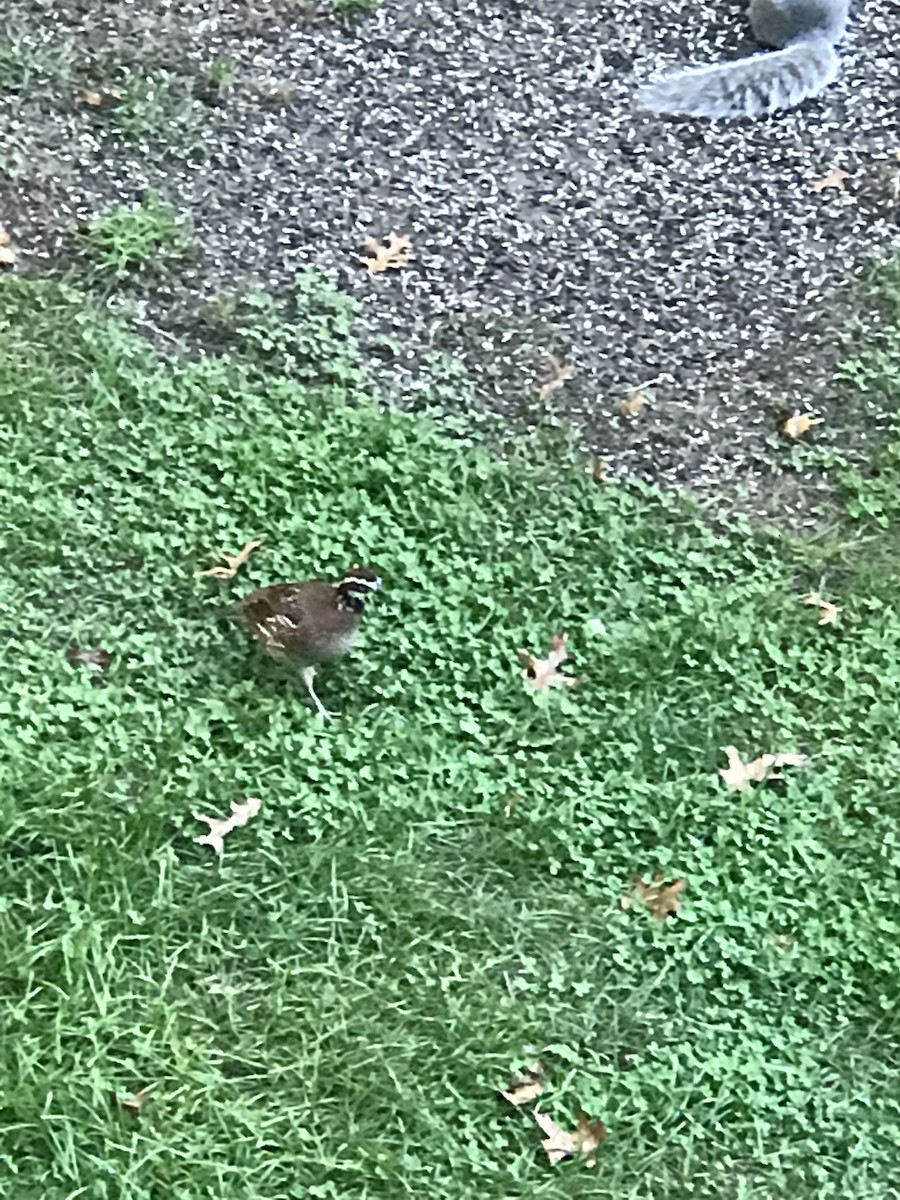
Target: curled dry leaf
(219, 828)
(134, 1104)
(512, 802)
(893, 183)
(386, 256)
(97, 97)
(799, 423)
(542, 673)
(81, 656)
(739, 774)
(7, 253)
(599, 468)
(828, 612)
(559, 373)
(525, 1088)
(661, 898)
(633, 404)
(235, 562)
(835, 178)
(560, 1144)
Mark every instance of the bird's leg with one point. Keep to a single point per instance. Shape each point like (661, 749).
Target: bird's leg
(309, 674)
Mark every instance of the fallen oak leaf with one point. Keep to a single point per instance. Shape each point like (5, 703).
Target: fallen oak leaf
(80, 656)
(828, 612)
(559, 1144)
(389, 255)
(134, 1104)
(526, 1087)
(633, 405)
(661, 898)
(894, 182)
(97, 97)
(598, 468)
(588, 1137)
(513, 800)
(219, 827)
(235, 562)
(542, 673)
(560, 373)
(799, 423)
(835, 178)
(7, 253)
(739, 774)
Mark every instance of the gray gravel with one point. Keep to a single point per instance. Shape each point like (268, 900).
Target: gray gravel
(545, 213)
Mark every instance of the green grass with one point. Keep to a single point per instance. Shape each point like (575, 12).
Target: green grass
(329, 1010)
(351, 9)
(145, 239)
(27, 66)
(872, 377)
(305, 335)
(217, 81)
(156, 110)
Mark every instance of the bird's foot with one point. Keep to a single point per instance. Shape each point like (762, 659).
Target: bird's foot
(309, 674)
(323, 713)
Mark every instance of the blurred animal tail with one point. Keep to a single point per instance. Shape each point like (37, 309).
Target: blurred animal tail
(748, 87)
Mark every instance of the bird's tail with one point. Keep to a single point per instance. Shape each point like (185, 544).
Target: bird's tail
(748, 87)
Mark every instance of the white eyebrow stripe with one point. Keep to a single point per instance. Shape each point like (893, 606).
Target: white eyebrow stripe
(366, 583)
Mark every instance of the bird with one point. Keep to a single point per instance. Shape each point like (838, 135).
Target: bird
(312, 622)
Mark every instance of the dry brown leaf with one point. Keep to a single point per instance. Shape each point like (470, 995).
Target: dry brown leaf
(97, 97)
(219, 827)
(661, 898)
(7, 253)
(739, 774)
(588, 1137)
(784, 943)
(799, 423)
(513, 800)
(389, 255)
(235, 562)
(542, 673)
(559, 1144)
(828, 612)
(559, 373)
(135, 1103)
(598, 468)
(633, 404)
(81, 656)
(835, 178)
(526, 1087)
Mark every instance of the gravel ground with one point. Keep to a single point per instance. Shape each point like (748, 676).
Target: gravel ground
(546, 215)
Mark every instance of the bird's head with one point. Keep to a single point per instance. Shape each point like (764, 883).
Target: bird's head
(357, 584)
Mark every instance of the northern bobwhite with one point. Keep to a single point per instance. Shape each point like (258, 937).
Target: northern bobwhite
(310, 623)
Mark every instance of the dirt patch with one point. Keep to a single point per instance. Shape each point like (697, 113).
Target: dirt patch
(546, 214)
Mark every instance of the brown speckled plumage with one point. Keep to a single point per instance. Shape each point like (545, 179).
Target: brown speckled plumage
(312, 622)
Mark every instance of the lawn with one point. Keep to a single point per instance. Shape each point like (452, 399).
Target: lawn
(431, 897)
